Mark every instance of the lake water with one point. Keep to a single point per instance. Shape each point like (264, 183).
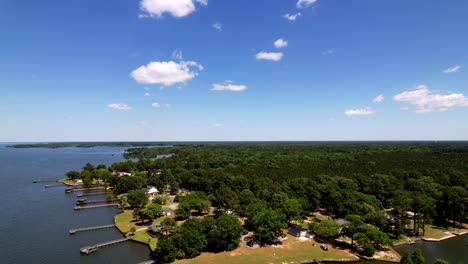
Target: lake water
(35, 220)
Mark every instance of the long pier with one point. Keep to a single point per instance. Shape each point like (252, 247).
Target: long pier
(95, 206)
(97, 201)
(91, 194)
(74, 231)
(53, 185)
(90, 249)
(69, 190)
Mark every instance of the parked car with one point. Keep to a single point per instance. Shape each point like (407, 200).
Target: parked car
(324, 247)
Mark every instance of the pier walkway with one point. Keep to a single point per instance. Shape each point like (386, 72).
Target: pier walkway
(95, 206)
(69, 190)
(74, 231)
(90, 249)
(91, 194)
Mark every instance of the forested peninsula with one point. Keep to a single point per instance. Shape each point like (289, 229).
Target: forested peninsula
(361, 196)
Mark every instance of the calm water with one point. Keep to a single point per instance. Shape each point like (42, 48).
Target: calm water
(35, 220)
(454, 250)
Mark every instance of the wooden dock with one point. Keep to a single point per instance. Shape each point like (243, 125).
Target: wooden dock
(69, 190)
(53, 185)
(95, 206)
(96, 201)
(90, 228)
(90, 249)
(91, 194)
(148, 262)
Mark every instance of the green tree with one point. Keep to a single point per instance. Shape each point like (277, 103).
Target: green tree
(168, 226)
(137, 198)
(145, 214)
(354, 226)
(327, 229)
(88, 167)
(268, 224)
(368, 249)
(440, 261)
(156, 209)
(406, 259)
(73, 175)
(190, 241)
(224, 234)
(165, 250)
(417, 257)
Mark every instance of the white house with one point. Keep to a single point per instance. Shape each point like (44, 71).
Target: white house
(151, 191)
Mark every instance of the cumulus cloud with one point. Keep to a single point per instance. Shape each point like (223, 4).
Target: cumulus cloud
(379, 99)
(328, 52)
(147, 94)
(156, 105)
(292, 17)
(166, 73)
(177, 8)
(428, 101)
(305, 3)
(359, 112)
(218, 26)
(280, 43)
(453, 69)
(121, 107)
(228, 86)
(273, 56)
(177, 55)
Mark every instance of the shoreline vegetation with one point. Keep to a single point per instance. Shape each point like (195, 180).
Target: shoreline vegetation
(358, 199)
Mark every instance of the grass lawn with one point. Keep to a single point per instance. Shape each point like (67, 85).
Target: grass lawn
(144, 237)
(436, 232)
(292, 251)
(125, 221)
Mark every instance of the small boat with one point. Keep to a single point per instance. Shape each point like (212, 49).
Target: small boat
(81, 201)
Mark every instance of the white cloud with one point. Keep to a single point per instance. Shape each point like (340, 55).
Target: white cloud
(147, 94)
(379, 99)
(359, 112)
(280, 43)
(273, 56)
(428, 101)
(168, 105)
(121, 107)
(328, 52)
(217, 125)
(228, 86)
(156, 105)
(143, 124)
(177, 8)
(218, 26)
(292, 17)
(453, 69)
(305, 3)
(177, 55)
(166, 73)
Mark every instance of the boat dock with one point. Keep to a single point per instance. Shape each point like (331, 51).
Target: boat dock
(90, 249)
(95, 201)
(91, 194)
(53, 185)
(40, 181)
(69, 190)
(148, 262)
(95, 206)
(74, 231)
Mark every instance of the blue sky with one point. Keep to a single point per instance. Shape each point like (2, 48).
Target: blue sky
(163, 70)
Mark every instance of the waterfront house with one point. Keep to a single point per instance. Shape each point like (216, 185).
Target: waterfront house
(298, 231)
(121, 173)
(151, 191)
